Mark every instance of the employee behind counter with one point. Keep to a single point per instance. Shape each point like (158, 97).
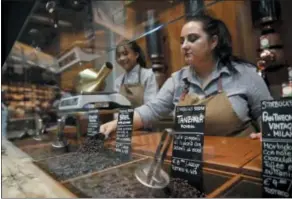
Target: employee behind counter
(229, 87)
(138, 83)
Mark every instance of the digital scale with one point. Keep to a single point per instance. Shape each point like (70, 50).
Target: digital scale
(87, 102)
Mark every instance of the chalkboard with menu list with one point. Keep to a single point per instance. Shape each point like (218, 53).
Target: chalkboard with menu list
(277, 148)
(93, 123)
(124, 132)
(188, 144)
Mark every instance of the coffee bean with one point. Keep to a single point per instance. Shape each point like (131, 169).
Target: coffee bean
(91, 156)
(122, 183)
(180, 188)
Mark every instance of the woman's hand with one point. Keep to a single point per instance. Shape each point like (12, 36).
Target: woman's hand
(255, 136)
(108, 128)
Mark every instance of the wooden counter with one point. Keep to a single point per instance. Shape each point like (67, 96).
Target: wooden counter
(254, 167)
(223, 153)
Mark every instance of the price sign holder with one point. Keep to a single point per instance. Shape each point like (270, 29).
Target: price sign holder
(124, 133)
(188, 143)
(277, 148)
(93, 123)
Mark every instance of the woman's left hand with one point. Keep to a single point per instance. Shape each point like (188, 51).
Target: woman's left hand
(255, 136)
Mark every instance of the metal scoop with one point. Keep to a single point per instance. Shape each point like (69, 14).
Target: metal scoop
(39, 136)
(152, 175)
(61, 142)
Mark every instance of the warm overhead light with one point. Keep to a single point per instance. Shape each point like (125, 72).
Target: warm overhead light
(50, 6)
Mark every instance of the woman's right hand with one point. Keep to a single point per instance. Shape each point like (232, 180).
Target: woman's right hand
(255, 136)
(108, 128)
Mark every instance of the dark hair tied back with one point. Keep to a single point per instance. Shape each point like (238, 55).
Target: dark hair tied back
(223, 50)
(137, 49)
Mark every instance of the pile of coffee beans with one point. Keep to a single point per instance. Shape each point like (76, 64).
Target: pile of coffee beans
(92, 145)
(92, 156)
(119, 183)
(122, 183)
(179, 188)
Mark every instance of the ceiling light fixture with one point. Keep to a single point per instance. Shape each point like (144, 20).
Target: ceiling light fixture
(50, 6)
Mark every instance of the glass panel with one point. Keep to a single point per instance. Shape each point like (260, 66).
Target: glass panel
(60, 39)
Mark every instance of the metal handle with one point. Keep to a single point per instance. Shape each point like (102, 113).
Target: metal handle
(61, 126)
(152, 175)
(159, 158)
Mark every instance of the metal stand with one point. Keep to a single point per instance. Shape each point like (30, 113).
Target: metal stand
(61, 142)
(40, 130)
(152, 175)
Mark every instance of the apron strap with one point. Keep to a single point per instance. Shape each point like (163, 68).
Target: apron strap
(139, 76)
(185, 89)
(219, 85)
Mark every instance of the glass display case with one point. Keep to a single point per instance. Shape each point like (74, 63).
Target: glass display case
(64, 44)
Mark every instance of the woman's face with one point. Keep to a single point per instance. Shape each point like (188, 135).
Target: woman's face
(126, 57)
(196, 45)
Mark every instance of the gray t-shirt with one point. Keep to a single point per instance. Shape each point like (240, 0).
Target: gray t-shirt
(245, 90)
(147, 79)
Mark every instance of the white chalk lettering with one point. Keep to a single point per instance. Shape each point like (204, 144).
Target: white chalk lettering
(276, 192)
(187, 126)
(280, 126)
(275, 117)
(283, 134)
(190, 119)
(278, 159)
(277, 104)
(124, 117)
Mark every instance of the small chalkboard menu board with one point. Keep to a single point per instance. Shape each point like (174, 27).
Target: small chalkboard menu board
(93, 123)
(124, 132)
(277, 148)
(188, 144)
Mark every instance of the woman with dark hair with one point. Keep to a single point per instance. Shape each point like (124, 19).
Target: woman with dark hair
(229, 87)
(138, 83)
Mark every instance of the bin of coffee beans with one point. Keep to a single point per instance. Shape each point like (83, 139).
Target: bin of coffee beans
(122, 183)
(47, 151)
(92, 156)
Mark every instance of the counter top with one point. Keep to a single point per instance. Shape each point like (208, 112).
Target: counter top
(254, 167)
(225, 153)
(22, 179)
(35, 164)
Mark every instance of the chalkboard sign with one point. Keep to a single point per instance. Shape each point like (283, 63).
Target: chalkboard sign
(277, 148)
(188, 144)
(93, 123)
(124, 132)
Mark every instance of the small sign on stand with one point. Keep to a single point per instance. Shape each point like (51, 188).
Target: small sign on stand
(188, 145)
(93, 123)
(277, 148)
(124, 133)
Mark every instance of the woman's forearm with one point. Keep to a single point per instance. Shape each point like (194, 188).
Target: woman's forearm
(137, 121)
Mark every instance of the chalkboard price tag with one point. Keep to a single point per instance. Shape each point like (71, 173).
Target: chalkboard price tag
(93, 123)
(277, 148)
(188, 144)
(124, 132)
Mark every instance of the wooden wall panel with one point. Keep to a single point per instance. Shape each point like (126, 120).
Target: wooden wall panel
(236, 15)
(68, 38)
(171, 33)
